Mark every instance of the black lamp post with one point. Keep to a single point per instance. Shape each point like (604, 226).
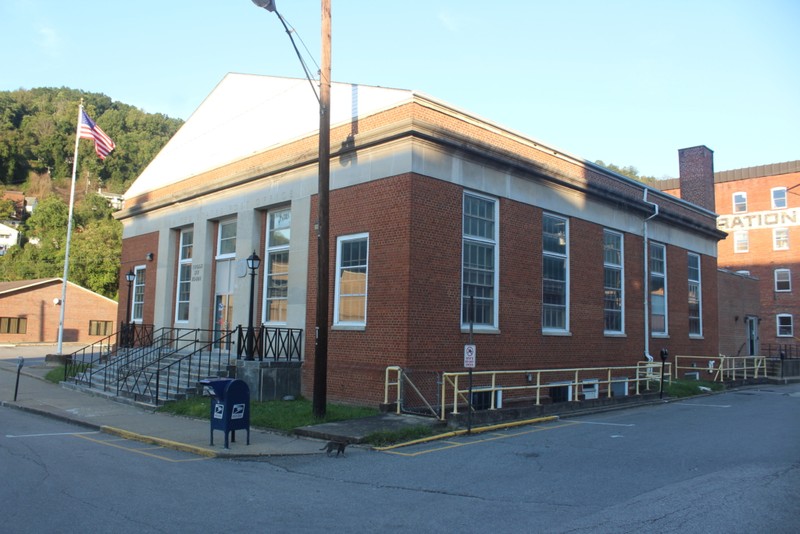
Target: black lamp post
(664, 356)
(126, 342)
(253, 263)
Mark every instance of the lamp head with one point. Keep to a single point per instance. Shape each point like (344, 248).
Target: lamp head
(253, 262)
(269, 5)
(130, 277)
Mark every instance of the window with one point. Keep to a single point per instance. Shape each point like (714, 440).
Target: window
(226, 238)
(350, 304)
(479, 260)
(695, 297)
(13, 325)
(739, 202)
(658, 289)
(783, 280)
(785, 325)
(555, 274)
(101, 328)
(778, 197)
(277, 270)
(184, 276)
(613, 275)
(741, 241)
(780, 239)
(137, 311)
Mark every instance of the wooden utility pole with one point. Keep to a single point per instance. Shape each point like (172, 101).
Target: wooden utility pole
(323, 237)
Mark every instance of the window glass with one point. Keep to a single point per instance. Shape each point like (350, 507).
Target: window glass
(478, 262)
(783, 280)
(778, 198)
(613, 302)
(277, 274)
(658, 289)
(739, 202)
(226, 245)
(351, 280)
(694, 296)
(555, 283)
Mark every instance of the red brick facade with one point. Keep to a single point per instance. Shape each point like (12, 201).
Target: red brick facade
(37, 302)
(414, 292)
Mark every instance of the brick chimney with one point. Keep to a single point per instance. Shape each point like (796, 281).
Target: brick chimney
(696, 166)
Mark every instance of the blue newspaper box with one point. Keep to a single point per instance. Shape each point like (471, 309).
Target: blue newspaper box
(230, 407)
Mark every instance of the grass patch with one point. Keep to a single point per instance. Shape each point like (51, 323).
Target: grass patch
(278, 414)
(56, 374)
(688, 388)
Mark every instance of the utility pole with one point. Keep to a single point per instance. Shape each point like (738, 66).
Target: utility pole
(323, 236)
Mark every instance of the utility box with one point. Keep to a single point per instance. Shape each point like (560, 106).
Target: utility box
(619, 386)
(591, 388)
(230, 407)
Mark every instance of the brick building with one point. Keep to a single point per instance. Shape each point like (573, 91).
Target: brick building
(30, 311)
(758, 208)
(429, 206)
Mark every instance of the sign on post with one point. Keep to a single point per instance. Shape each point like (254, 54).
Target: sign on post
(469, 356)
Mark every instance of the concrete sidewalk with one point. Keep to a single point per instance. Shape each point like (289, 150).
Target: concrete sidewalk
(37, 395)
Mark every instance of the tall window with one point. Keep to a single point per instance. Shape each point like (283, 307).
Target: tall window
(780, 239)
(479, 260)
(695, 297)
(137, 311)
(184, 276)
(277, 272)
(100, 328)
(613, 275)
(778, 197)
(741, 241)
(658, 288)
(739, 202)
(226, 238)
(783, 280)
(785, 325)
(350, 304)
(555, 274)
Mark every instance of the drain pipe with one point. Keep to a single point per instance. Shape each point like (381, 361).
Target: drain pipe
(646, 284)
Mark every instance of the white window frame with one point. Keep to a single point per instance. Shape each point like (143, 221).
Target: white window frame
(185, 251)
(656, 274)
(616, 267)
(223, 223)
(272, 249)
(736, 204)
(783, 197)
(137, 300)
(699, 283)
(741, 241)
(789, 325)
(780, 239)
(340, 241)
(492, 241)
(779, 275)
(558, 256)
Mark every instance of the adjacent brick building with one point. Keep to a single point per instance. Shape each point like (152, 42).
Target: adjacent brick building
(431, 209)
(30, 311)
(758, 208)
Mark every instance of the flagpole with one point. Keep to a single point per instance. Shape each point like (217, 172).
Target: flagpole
(69, 231)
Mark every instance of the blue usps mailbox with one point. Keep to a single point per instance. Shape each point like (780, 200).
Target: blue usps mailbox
(230, 407)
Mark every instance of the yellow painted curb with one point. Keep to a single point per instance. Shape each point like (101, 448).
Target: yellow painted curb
(200, 451)
(478, 430)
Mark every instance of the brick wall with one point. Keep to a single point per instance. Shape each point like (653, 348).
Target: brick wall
(697, 176)
(414, 292)
(43, 316)
(135, 252)
(738, 298)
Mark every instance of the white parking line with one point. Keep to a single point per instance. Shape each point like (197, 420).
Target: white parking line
(53, 434)
(706, 405)
(605, 424)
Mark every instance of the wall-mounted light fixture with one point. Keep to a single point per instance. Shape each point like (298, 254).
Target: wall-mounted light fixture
(149, 256)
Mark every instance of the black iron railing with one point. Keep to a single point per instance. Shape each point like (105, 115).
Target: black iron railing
(784, 351)
(272, 343)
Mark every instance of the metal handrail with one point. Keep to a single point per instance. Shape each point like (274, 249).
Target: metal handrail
(534, 380)
(723, 367)
(272, 343)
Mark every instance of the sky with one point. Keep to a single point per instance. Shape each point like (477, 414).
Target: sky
(624, 81)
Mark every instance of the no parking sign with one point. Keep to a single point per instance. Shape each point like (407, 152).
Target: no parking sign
(469, 356)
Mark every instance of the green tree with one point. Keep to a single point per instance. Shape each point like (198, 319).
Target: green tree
(630, 171)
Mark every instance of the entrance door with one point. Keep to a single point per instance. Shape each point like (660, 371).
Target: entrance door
(752, 335)
(223, 299)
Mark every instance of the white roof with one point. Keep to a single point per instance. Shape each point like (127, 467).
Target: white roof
(246, 114)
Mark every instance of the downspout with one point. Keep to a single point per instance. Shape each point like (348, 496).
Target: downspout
(646, 284)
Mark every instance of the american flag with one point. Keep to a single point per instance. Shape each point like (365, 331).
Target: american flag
(87, 129)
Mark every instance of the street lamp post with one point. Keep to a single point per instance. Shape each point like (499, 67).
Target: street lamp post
(253, 263)
(320, 390)
(126, 341)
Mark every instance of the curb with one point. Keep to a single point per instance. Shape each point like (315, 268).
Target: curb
(499, 426)
(167, 444)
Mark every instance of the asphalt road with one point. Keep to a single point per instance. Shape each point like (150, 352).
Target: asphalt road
(722, 463)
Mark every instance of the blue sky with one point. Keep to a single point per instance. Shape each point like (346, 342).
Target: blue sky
(628, 82)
